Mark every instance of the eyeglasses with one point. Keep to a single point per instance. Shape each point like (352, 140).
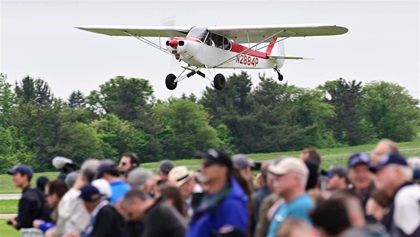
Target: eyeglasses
(123, 163)
(330, 175)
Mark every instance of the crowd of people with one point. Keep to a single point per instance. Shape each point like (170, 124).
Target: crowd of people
(375, 195)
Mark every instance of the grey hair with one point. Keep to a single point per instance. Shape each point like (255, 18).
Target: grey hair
(138, 177)
(89, 169)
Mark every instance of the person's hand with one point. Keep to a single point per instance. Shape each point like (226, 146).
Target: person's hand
(79, 182)
(37, 223)
(14, 222)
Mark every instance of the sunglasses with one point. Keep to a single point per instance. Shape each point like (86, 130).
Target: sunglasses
(123, 163)
(330, 175)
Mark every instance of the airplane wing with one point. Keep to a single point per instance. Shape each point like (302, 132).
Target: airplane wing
(256, 34)
(143, 31)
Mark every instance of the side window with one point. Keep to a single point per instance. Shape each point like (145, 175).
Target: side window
(220, 41)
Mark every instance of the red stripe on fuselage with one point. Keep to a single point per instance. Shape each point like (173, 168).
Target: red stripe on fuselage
(271, 46)
(238, 48)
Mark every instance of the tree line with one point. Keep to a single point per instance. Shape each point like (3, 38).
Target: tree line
(124, 116)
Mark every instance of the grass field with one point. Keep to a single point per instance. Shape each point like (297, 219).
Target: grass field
(8, 206)
(332, 156)
(6, 230)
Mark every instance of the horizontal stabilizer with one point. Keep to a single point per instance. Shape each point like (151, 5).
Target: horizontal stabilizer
(289, 57)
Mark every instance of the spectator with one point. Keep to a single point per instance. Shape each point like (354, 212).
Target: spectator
(260, 194)
(292, 227)
(127, 161)
(229, 231)
(361, 177)
(158, 217)
(242, 163)
(394, 176)
(104, 188)
(312, 160)
(290, 180)
(64, 165)
(41, 181)
(73, 216)
(185, 181)
(330, 218)
(104, 220)
(165, 166)
(384, 146)
(140, 178)
(173, 196)
(71, 179)
(414, 163)
(32, 204)
(225, 202)
(55, 191)
(337, 179)
(108, 171)
(375, 206)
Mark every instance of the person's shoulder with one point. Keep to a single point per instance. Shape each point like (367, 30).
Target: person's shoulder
(408, 193)
(303, 201)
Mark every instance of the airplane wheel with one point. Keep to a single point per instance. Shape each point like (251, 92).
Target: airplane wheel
(219, 81)
(280, 77)
(170, 81)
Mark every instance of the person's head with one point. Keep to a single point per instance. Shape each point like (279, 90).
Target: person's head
(54, 191)
(165, 166)
(242, 163)
(330, 218)
(293, 227)
(139, 178)
(392, 171)
(384, 146)
(71, 179)
(128, 160)
(135, 203)
(376, 205)
(310, 153)
(103, 187)
(108, 170)
(216, 166)
(41, 181)
(184, 179)
(91, 197)
(290, 176)
(172, 195)
(359, 173)
(353, 206)
(22, 175)
(89, 169)
(336, 177)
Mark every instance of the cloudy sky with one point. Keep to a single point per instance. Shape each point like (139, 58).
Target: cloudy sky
(39, 38)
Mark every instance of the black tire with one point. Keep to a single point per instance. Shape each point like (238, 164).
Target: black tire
(280, 77)
(219, 81)
(170, 81)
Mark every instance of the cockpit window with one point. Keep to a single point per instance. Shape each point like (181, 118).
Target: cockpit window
(198, 33)
(209, 38)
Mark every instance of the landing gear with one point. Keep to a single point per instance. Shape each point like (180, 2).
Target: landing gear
(219, 81)
(280, 77)
(170, 81)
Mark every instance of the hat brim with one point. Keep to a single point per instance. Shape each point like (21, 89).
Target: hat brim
(11, 172)
(184, 180)
(276, 172)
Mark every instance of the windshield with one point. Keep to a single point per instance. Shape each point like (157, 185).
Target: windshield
(198, 33)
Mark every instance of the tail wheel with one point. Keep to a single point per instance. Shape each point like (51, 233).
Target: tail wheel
(170, 81)
(219, 81)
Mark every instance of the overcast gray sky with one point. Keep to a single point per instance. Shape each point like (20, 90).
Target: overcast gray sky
(38, 38)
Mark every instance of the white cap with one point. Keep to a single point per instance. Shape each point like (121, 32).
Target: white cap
(59, 162)
(103, 186)
(180, 174)
(289, 165)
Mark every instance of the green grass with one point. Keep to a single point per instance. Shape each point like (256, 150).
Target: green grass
(331, 156)
(8, 206)
(7, 230)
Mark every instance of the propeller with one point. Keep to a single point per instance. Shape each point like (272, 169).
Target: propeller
(170, 22)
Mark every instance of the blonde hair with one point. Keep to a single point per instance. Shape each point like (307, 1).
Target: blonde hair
(290, 225)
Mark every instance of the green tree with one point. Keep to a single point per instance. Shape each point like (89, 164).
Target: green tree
(390, 111)
(187, 128)
(7, 100)
(76, 100)
(34, 91)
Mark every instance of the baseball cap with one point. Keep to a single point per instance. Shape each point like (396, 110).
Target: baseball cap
(106, 166)
(90, 193)
(287, 165)
(241, 161)
(388, 159)
(59, 162)
(229, 231)
(335, 169)
(215, 157)
(180, 174)
(23, 169)
(71, 179)
(358, 158)
(165, 166)
(103, 187)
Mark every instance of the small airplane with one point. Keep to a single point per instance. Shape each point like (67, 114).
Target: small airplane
(220, 46)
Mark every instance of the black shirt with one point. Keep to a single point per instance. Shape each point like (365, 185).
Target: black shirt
(108, 222)
(163, 220)
(32, 205)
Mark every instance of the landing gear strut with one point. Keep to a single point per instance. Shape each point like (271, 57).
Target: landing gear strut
(280, 77)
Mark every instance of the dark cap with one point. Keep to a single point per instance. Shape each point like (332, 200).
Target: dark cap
(358, 158)
(23, 169)
(389, 159)
(338, 170)
(212, 157)
(90, 193)
(107, 166)
(165, 166)
(241, 161)
(229, 231)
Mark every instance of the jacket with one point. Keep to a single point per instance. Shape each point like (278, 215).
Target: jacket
(227, 207)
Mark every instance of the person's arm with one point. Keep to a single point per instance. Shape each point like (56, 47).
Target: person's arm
(23, 219)
(234, 213)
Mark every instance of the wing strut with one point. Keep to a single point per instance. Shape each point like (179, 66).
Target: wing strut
(148, 42)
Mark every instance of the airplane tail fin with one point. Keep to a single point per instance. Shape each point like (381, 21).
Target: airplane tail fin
(276, 50)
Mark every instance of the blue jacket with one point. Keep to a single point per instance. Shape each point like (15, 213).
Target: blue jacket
(231, 210)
